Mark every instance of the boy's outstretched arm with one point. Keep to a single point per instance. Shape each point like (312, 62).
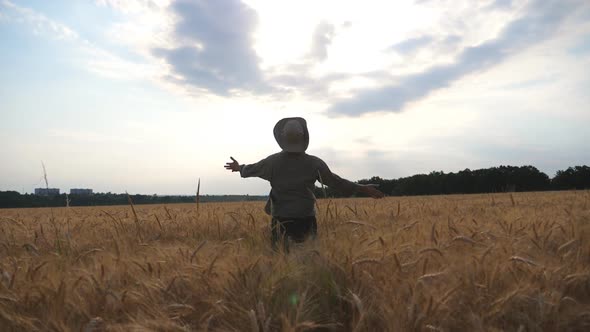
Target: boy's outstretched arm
(344, 186)
(371, 190)
(260, 169)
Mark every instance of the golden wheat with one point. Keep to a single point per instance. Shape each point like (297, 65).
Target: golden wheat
(439, 263)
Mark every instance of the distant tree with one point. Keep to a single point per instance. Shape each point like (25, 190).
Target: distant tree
(10, 199)
(577, 177)
(486, 180)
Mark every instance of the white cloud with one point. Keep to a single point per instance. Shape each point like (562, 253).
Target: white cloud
(364, 49)
(91, 56)
(39, 23)
(539, 21)
(134, 6)
(355, 56)
(321, 40)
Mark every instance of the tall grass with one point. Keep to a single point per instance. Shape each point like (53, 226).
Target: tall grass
(426, 263)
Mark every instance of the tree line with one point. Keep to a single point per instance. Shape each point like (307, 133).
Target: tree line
(13, 199)
(487, 180)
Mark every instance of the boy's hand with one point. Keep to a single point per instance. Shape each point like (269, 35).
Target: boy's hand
(371, 190)
(234, 166)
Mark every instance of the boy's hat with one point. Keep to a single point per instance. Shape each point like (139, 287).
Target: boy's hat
(292, 134)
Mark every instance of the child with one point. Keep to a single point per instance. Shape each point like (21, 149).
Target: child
(292, 175)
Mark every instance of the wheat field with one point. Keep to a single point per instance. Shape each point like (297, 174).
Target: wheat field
(515, 262)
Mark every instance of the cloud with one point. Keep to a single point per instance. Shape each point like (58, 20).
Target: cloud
(412, 44)
(527, 84)
(95, 58)
(322, 38)
(40, 23)
(207, 46)
(501, 4)
(541, 20)
(492, 4)
(133, 6)
(214, 47)
(582, 47)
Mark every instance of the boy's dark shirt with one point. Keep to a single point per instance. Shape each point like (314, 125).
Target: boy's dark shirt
(292, 177)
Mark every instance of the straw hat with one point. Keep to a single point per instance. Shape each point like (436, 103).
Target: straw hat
(292, 134)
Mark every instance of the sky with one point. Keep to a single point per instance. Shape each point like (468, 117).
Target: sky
(148, 96)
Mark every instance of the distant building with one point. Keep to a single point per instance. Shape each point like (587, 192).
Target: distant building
(46, 191)
(80, 191)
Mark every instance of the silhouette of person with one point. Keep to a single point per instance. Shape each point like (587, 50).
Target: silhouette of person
(292, 175)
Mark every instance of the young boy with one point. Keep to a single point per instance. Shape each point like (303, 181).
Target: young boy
(292, 175)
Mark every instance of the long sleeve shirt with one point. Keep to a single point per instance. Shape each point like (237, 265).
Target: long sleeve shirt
(292, 177)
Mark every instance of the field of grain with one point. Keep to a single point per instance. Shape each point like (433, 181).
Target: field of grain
(446, 263)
